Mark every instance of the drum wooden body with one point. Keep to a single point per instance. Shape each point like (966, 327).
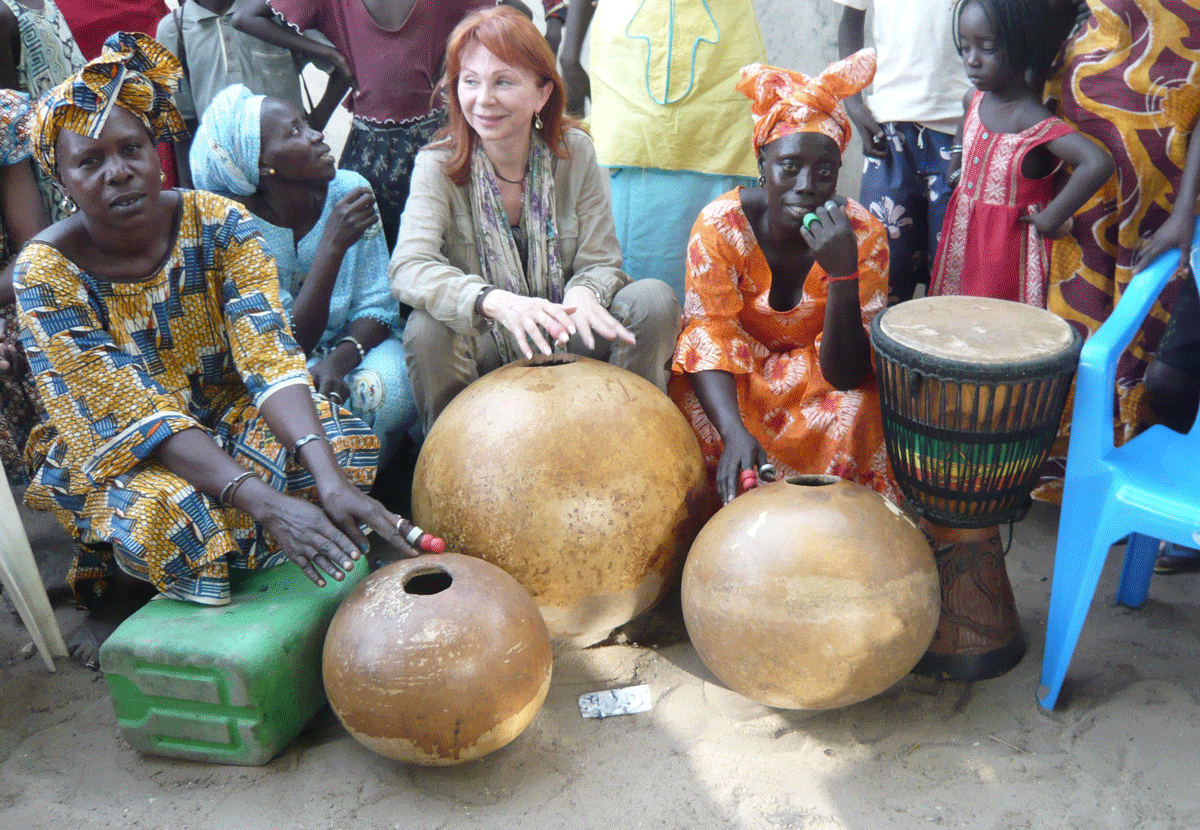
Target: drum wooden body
(972, 391)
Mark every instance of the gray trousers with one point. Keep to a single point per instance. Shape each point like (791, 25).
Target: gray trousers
(442, 363)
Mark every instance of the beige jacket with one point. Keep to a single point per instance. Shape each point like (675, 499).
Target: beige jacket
(435, 266)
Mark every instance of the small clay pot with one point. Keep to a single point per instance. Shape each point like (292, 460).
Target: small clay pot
(437, 660)
(810, 593)
(580, 479)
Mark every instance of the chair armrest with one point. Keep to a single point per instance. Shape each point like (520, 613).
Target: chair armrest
(1091, 418)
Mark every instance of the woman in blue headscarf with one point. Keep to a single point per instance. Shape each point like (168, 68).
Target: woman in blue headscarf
(321, 225)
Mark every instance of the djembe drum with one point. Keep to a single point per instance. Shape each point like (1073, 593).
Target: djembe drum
(972, 391)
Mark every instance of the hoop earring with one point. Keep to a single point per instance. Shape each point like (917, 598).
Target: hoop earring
(537, 120)
(67, 205)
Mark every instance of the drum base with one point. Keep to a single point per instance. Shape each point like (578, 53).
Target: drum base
(979, 632)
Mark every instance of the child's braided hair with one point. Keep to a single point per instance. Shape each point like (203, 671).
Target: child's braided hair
(1022, 33)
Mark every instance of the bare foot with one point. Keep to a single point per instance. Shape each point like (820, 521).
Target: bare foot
(122, 598)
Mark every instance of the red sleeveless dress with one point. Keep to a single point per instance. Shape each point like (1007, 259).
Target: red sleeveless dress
(985, 250)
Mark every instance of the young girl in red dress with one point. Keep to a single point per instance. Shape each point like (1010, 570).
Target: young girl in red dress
(1003, 212)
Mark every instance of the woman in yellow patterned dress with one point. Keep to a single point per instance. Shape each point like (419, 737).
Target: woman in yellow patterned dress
(1130, 79)
(182, 437)
(774, 363)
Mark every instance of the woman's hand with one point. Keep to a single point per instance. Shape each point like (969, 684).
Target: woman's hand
(329, 375)
(1176, 232)
(12, 359)
(341, 66)
(306, 534)
(350, 218)
(742, 452)
(350, 509)
(832, 240)
(526, 318)
(589, 316)
(1047, 226)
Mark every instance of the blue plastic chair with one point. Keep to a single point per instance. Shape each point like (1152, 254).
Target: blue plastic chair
(1148, 489)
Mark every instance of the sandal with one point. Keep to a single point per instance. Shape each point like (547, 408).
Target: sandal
(1176, 559)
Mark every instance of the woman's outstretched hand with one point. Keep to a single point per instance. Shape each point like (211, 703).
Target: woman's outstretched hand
(742, 452)
(831, 239)
(326, 540)
(589, 316)
(526, 318)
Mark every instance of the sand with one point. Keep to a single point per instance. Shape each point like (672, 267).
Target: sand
(1118, 752)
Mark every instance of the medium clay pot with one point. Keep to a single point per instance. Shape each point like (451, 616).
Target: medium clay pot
(437, 660)
(810, 593)
(580, 479)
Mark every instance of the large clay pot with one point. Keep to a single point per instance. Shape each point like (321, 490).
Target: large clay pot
(437, 660)
(810, 593)
(580, 479)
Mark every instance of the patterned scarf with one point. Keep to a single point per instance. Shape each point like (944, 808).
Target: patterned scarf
(784, 102)
(135, 72)
(498, 254)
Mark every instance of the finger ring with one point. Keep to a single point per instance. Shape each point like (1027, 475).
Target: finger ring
(809, 219)
(767, 472)
(333, 395)
(831, 205)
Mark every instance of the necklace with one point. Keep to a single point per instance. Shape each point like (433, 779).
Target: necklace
(512, 181)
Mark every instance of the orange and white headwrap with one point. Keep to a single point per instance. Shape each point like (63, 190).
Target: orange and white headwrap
(784, 102)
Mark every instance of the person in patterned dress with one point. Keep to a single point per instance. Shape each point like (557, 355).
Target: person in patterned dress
(783, 280)
(183, 437)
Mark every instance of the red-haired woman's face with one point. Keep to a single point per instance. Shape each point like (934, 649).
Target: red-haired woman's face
(497, 99)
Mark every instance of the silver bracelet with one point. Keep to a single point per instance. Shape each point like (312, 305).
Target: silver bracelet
(300, 442)
(362, 350)
(230, 489)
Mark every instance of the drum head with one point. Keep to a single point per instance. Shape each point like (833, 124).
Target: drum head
(977, 330)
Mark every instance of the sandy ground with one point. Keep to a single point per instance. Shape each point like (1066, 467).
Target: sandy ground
(1119, 752)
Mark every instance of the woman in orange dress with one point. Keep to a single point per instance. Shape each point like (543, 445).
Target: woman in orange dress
(783, 280)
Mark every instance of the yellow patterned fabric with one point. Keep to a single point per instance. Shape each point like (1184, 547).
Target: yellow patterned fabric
(663, 75)
(135, 72)
(123, 366)
(1129, 80)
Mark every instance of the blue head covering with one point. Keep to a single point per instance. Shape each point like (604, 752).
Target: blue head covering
(224, 157)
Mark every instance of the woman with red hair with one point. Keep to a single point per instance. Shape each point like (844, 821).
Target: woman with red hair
(507, 242)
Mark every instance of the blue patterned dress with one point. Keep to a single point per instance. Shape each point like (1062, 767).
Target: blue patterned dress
(379, 390)
(123, 366)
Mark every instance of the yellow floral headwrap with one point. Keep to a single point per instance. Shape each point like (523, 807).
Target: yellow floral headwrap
(134, 71)
(784, 102)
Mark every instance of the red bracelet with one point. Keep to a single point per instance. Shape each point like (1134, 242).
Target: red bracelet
(853, 276)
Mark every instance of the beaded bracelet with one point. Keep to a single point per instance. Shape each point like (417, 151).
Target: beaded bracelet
(230, 489)
(362, 350)
(300, 442)
(853, 276)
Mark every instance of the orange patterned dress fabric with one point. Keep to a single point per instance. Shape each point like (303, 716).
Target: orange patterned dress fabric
(804, 424)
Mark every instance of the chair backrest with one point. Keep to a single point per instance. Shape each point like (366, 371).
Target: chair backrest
(1092, 416)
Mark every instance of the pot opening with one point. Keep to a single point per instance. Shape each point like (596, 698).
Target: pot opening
(539, 360)
(426, 583)
(812, 480)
